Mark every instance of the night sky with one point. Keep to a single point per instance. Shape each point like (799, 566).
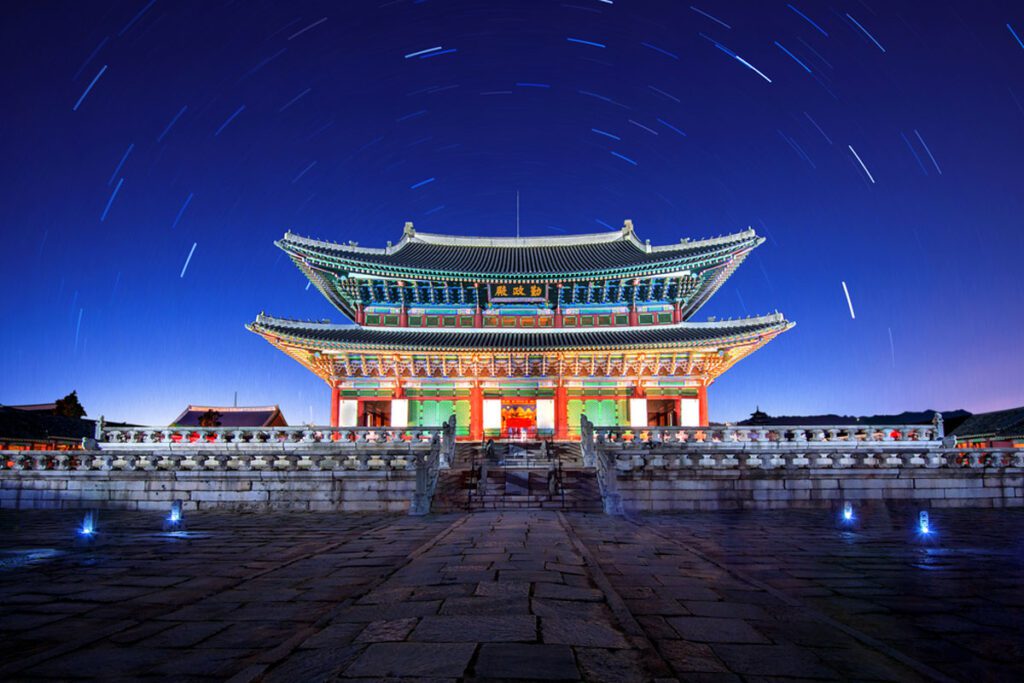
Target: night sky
(152, 152)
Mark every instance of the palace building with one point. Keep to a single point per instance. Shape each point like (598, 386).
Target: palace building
(520, 336)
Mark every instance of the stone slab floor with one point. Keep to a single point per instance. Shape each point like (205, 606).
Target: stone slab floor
(752, 596)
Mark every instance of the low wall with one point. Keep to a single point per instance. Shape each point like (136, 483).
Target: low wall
(661, 490)
(342, 490)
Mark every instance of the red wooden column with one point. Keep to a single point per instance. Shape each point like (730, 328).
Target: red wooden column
(335, 404)
(677, 313)
(476, 412)
(561, 412)
(702, 403)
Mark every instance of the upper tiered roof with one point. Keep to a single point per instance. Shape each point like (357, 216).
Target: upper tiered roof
(502, 259)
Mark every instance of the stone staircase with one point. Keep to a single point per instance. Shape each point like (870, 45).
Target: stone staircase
(515, 489)
(518, 453)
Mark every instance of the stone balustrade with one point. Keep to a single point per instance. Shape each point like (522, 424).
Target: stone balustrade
(177, 461)
(795, 434)
(259, 438)
(359, 470)
(719, 456)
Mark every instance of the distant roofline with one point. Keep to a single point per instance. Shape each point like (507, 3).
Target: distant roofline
(272, 410)
(233, 409)
(625, 233)
(33, 407)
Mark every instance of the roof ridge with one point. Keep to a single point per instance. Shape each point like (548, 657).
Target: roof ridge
(625, 234)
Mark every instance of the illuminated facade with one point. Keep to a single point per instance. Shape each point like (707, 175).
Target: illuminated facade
(519, 336)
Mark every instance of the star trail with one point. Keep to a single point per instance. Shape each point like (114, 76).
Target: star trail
(879, 141)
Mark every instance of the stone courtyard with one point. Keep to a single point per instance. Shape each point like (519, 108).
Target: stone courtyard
(530, 594)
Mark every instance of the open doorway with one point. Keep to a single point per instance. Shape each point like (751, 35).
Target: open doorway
(518, 418)
(662, 412)
(375, 413)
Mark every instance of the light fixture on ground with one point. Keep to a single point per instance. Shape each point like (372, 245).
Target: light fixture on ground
(847, 511)
(87, 532)
(923, 524)
(175, 521)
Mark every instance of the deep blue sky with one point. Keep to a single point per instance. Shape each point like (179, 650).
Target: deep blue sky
(338, 126)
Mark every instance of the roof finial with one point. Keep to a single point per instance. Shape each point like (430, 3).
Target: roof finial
(409, 231)
(627, 227)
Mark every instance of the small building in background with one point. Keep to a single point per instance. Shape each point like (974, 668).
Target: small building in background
(998, 429)
(37, 427)
(230, 416)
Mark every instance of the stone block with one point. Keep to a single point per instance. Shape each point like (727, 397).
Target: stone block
(229, 496)
(923, 481)
(972, 493)
(1008, 480)
(760, 484)
(784, 494)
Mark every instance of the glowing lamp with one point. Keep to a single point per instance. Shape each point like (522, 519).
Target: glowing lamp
(175, 520)
(88, 527)
(848, 512)
(923, 523)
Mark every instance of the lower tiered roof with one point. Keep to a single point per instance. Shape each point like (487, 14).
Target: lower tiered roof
(325, 336)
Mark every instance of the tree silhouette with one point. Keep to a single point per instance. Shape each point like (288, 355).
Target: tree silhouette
(211, 418)
(69, 406)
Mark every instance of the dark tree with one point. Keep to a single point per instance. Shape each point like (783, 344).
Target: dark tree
(211, 418)
(69, 406)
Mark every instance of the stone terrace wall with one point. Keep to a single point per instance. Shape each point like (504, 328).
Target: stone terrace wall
(757, 489)
(347, 491)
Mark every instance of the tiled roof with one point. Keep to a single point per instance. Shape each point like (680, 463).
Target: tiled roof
(484, 257)
(233, 416)
(327, 335)
(1001, 424)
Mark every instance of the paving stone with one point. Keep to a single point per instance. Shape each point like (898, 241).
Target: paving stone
(522, 661)
(312, 666)
(729, 610)
(186, 635)
(772, 660)
(502, 589)
(334, 635)
(713, 630)
(486, 605)
(687, 657)
(580, 633)
(387, 630)
(477, 629)
(412, 659)
(618, 666)
(595, 611)
(559, 592)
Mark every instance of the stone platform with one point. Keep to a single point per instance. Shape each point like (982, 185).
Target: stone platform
(541, 595)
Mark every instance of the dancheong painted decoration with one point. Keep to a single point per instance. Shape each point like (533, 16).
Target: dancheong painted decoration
(520, 336)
